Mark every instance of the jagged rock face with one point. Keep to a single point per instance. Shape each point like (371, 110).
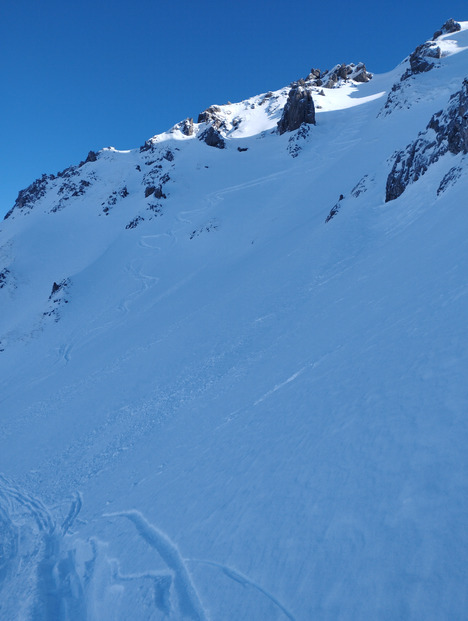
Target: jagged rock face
(450, 26)
(421, 60)
(299, 109)
(28, 196)
(91, 157)
(450, 127)
(418, 59)
(212, 138)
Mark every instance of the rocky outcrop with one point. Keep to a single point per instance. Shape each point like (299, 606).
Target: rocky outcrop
(134, 223)
(211, 115)
(334, 210)
(422, 59)
(212, 138)
(30, 195)
(447, 131)
(450, 178)
(57, 298)
(156, 191)
(344, 72)
(299, 109)
(4, 273)
(148, 146)
(339, 72)
(450, 26)
(360, 74)
(91, 157)
(315, 77)
(266, 97)
(185, 127)
(212, 134)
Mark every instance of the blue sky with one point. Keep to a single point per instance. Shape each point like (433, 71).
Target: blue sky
(84, 75)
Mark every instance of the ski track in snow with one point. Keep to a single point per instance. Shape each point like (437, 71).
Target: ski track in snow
(237, 576)
(156, 243)
(188, 599)
(135, 270)
(146, 281)
(281, 385)
(189, 603)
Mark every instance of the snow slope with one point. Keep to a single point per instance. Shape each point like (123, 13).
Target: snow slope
(217, 406)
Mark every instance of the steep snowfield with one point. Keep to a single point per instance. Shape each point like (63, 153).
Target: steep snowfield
(226, 408)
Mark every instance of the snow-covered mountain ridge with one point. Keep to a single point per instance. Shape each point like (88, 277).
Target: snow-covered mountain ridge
(233, 361)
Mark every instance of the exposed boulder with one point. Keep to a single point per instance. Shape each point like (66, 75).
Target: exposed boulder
(212, 138)
(266, 97)
(314, 74)
(315, 77)
(157, 191)
(447, 131)
(450, 26)
(299, 109)
(360, 74)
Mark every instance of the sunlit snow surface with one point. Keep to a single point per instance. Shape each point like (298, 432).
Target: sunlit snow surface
(234, 410)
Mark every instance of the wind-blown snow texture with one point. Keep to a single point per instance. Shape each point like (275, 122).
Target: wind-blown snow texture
(217, 406)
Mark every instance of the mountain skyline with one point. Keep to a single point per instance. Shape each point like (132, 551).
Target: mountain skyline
(114, 80)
